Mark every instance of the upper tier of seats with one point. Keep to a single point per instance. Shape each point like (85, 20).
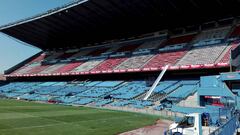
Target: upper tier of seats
(180, 50)
(219, 33)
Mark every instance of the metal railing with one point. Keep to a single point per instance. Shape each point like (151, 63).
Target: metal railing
(228, 128)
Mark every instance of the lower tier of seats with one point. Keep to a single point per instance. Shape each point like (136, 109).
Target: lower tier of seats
(99, 93)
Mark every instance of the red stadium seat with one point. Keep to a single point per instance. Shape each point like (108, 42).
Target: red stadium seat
(226, 57)
(38, 69)
(68, 67)
(109, 64)
(163, 59)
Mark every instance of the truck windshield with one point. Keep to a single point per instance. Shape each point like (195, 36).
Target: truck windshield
(186, 122)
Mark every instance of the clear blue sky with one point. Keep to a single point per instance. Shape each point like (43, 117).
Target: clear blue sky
(12, 52)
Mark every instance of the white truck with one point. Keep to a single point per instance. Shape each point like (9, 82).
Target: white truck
(191, 124)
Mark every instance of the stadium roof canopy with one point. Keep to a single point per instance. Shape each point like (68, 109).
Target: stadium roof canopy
(89, 21)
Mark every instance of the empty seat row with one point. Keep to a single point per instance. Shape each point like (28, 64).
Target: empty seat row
(218, 33)
(182, 92)
(109, 84)
(95, 92)
(87, 66)
(83, 101)
(52, 68)
(109, 64)
(24, 69)
(202, 55)
(68, 67)
(134, 62)
(103, 102)
(163, 59)
(130, 90)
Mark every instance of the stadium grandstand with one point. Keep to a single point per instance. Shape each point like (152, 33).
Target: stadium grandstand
(166, 58)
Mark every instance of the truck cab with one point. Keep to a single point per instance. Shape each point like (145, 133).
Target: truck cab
(189, 125)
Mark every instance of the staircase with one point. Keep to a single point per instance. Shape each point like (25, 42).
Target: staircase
(225, 51)
(141, 97)
(157, 97)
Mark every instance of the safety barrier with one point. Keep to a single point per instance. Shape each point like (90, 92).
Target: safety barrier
(227, 129)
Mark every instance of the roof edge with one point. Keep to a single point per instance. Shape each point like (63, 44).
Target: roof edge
(44, 14)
